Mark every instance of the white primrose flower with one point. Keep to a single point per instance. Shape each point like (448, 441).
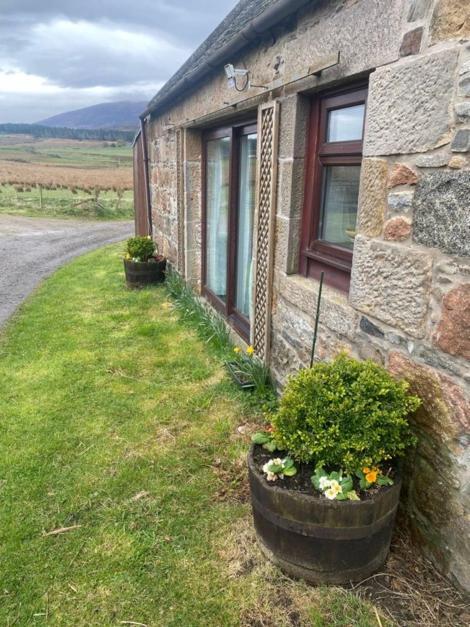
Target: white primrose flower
(333, 490)
(330, 494)
(324, 483)
(272, 476)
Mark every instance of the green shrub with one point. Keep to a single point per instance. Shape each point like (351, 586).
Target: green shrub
(140, 248)
(344, 414)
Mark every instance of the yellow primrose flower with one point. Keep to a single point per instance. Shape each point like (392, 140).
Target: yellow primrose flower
(237, 350)
(371, 476)
(250, 350)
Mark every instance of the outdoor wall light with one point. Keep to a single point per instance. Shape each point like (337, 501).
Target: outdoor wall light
(232, 73)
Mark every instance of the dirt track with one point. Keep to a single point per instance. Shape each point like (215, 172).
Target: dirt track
(32, 248)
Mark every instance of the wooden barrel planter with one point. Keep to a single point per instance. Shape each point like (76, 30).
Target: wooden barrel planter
(141, 273)
(322, 541)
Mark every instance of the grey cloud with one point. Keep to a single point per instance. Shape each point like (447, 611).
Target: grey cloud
(188, 21)
(123, 46)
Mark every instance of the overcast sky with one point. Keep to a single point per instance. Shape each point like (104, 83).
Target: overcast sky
(58, 55)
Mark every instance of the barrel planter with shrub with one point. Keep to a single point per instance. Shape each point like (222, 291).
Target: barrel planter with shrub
(142, 264)
(325, 476)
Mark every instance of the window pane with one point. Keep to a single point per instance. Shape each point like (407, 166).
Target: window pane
(217, 199)
(246, 206)
(345, 124)
(339, 207)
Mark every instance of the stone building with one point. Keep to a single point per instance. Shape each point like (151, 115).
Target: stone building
(333, 136)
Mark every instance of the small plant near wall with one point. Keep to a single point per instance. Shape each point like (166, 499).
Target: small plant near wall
(206, 321)
(343, 426)
(244, 367)
(248, 371)
(142, 263)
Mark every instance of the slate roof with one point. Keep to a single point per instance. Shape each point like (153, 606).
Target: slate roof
(227, 30)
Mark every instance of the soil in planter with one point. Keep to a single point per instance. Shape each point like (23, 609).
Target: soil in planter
(301, 482)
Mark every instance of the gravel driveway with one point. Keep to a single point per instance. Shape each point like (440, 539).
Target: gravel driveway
(32, 248)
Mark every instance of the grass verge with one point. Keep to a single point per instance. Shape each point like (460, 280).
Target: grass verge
(119, 424)
(64, 202)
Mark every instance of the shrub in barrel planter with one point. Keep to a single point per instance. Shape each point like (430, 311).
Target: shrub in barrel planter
(142, 264)
(325, 477)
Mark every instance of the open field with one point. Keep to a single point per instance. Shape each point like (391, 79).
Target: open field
(59, 177)
(124, 429)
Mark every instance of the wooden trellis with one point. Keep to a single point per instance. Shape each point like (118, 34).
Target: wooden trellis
(268, 137)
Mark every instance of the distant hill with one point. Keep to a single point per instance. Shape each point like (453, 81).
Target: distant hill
(37, 130)
(107, 115)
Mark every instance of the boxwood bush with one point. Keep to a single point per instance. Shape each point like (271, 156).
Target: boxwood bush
(345, 414)
(140, 248)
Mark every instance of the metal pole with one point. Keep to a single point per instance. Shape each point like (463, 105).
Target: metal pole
(317, 317)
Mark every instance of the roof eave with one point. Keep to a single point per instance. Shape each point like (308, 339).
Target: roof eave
(255, 27)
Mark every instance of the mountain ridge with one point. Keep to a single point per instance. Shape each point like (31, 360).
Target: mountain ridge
(122, 115)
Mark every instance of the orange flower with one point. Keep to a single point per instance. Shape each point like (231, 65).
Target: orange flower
(365, 470)
(371, 476)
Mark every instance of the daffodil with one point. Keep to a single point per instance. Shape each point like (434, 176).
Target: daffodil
(237, 350)
(250, 350)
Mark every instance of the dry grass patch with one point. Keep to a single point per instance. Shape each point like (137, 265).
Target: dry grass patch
(278, 601)
(412, 592)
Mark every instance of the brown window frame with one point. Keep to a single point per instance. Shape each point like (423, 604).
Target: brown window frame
(227, 308)
(317, 255)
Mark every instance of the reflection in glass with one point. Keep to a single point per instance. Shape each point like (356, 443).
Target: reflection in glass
(345, 124)
(246, 205)
(217, 199)
(339, 206)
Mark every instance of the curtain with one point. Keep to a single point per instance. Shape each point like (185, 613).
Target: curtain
(246, 205)
(217, 198)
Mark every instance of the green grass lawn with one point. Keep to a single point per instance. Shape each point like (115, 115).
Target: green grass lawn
(117, 420)
(68, 153)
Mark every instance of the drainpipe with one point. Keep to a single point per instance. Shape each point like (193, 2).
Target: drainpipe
(143, 130)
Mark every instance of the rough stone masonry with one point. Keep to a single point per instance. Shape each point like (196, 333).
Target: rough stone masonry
(408, 305)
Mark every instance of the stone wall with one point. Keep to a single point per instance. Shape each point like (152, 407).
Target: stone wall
(408, 307)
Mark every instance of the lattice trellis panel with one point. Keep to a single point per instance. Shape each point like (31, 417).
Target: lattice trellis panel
(268, 137)
(180, 199)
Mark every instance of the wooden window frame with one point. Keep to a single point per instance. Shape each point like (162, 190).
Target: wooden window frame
(317, 255)
(227, 308)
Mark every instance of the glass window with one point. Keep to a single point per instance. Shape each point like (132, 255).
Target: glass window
(230, 198)
(217, 201)
(332, 192)
(346, 124)
(246, 206)
(339, 210)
